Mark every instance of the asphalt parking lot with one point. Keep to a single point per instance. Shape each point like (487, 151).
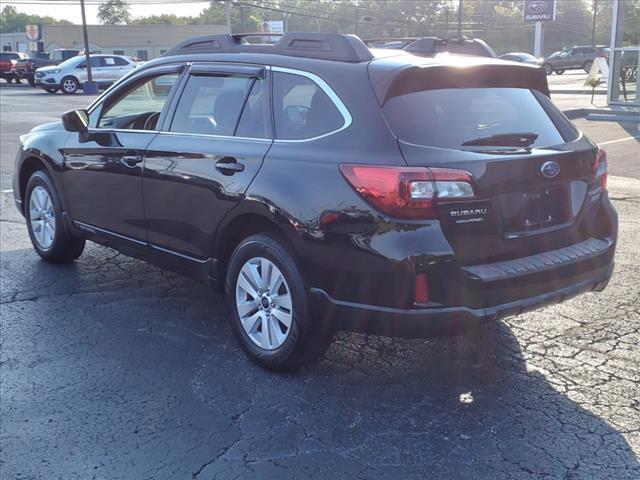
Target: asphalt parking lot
(113, 369)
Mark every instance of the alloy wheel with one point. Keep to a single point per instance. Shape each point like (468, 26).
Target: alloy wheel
(263, 303)
(42, 217)
(69, 85)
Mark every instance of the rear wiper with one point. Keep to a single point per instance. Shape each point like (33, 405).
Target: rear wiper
(516, 139)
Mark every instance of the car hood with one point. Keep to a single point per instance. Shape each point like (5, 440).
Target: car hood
(48, 126)
(47, 68)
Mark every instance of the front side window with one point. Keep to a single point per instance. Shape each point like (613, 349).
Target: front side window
(140, 106)
(301, 109)
(95, 63)
(211, 105)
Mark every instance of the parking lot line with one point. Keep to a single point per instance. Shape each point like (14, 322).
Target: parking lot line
(7, 191)
(619, 140)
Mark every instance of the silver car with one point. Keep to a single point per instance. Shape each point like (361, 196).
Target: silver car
(70, 74)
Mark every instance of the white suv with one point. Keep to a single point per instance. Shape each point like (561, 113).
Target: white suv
(69, 75)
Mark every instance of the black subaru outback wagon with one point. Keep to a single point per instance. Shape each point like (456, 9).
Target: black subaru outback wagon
(326, 186)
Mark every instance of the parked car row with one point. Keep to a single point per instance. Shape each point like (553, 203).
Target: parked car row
(64, 69)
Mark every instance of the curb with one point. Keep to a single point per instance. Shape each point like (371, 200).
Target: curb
(577, 92)
(613, 117)
(601, 114)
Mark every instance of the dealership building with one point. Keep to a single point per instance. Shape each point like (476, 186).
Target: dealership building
(142, 41)
(624, 71)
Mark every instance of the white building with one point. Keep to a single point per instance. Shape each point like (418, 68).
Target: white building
(142, 41)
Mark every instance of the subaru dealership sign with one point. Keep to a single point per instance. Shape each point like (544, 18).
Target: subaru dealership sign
(539, 10)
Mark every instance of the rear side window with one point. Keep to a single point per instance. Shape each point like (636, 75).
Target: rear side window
(447, 118)
(301, 109)
(211, 105)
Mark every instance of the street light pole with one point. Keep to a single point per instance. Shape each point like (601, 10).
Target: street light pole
(227, 11)
(593, 28)
(460, 7)
(86, 42)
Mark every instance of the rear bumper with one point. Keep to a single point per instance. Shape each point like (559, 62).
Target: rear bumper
(594, 275)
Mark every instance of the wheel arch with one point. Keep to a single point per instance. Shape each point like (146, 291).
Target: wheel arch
(240, 226)
(29, 165)
(60, 85)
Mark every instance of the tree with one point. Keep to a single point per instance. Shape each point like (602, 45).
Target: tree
(114, 12)
(163, 19)
(13, 21)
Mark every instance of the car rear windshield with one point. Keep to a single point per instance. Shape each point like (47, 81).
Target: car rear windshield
(447, 118)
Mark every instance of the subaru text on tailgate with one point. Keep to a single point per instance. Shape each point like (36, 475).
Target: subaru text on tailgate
(325, 186)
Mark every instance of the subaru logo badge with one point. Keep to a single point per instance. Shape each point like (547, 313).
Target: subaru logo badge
(550, 169)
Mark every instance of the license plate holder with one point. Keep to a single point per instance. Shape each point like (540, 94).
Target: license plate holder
(534, 209)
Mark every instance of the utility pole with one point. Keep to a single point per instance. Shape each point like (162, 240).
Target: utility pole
(460, 7)
(593, 28)
(446, 23)
(241, 19)
(227, 11)
(87, 58)
(357, 32)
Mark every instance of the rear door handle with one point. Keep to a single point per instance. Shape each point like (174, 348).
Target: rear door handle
(229, 166)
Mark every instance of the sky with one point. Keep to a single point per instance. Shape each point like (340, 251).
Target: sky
(72, 12)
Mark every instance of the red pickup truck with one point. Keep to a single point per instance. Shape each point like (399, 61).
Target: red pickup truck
(7, 62)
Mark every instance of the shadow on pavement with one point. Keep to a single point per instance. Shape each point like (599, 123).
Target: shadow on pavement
(151, 385)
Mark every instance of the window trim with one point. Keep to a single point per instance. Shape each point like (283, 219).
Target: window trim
(219, 69)
(333, 96)
(116, 94)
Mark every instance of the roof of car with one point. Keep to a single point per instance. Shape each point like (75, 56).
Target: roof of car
(299, 49)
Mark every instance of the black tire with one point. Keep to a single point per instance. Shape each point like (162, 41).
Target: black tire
(69, 85)
(51, 89)
(307, 340)
(65, 247)
(559, 72)
(17, 80)
(548, 69)
(586, 66)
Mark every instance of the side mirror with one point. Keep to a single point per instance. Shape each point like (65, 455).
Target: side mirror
(76, 121)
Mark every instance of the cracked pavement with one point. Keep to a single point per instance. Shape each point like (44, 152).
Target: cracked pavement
(114, 369)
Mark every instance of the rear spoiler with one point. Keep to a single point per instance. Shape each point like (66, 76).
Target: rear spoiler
(416, 78)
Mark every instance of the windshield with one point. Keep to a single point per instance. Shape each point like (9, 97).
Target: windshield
(71, 62)
(527, 56)
(455, 117)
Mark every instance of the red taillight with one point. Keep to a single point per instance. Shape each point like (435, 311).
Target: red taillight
(600, 167)
(408, 192)
(422, 288)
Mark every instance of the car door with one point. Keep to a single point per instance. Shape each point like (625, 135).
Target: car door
(124, 67)
(110, 69)
(96, 71)
(565, 59)
(102, 172)
(199, 167)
